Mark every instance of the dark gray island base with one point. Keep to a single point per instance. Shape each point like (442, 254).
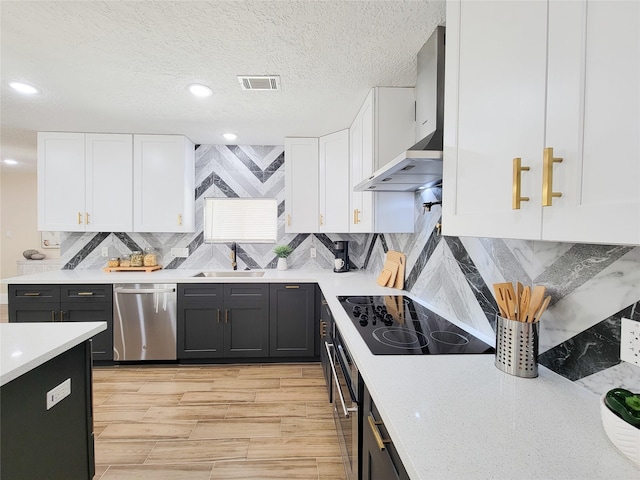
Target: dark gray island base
(54, 443)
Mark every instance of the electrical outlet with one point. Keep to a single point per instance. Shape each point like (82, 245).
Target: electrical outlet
(630, 341)
(313, 252)
(180, 252)
(57, 394)
(105, 251)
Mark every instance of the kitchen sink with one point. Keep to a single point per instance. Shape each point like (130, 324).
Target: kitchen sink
(230, 274)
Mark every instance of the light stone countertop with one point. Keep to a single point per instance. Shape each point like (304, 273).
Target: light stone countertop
(25, 346)
(449, 416)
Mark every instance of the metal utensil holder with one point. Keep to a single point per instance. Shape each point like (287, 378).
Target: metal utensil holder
(517, 347)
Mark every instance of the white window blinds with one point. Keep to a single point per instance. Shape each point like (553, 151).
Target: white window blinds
(249, 220)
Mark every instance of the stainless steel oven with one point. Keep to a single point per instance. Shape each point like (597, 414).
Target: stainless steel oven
(347, 391)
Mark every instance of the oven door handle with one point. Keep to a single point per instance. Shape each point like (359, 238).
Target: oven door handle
(345, 409)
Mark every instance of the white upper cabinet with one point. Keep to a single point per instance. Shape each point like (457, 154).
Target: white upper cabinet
(84, 182)
(383, 128)
(164, 178)
(334, 182)
(109, 182)
(301, 184)
(317, 183)
(523, 77)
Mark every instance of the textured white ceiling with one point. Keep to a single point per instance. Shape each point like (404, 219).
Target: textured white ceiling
(124, 66)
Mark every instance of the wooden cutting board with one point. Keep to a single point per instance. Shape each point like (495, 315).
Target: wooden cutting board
(401, 260)
(388, 274)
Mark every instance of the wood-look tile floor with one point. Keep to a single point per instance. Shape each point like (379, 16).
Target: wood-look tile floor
(214, 422)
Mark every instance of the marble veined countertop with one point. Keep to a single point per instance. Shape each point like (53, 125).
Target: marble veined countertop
(449, 416)
(25, 346)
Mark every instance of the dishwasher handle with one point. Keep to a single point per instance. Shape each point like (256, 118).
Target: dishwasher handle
(144, 290)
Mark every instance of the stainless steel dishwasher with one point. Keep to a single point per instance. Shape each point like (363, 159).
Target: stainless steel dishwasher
(144, 321)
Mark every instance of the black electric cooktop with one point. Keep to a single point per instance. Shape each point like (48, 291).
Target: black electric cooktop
(396, 325)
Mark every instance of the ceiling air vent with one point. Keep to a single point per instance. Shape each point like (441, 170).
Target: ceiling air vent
(269, 82)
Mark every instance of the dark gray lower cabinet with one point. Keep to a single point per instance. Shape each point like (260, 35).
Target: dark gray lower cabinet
(223, 320)
(380, 460)
(67, 303)
(55, 443)
(292, 317)
(200, 322)
(246, 317)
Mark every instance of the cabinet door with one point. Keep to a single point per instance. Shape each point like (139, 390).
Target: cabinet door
(90, 303)
(292, 322)
(246, 317)
(593, 122)
(301, 185)
(102, 343)
(109, 182)
(200, 331)
(378, 463)
(361, 220)
(61, 181)
(200, 323)
(494, 112)
(163, 179)
(34, 312)
(334, 182)
(379, 132)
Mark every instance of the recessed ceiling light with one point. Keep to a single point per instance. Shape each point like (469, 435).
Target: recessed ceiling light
(10, 161)
(200, 90)
(230, 136)
(23, 88)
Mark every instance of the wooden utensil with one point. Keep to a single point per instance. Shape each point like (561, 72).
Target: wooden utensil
(541, 310)
(519, 292)
(537, 297)
(505, 296)
(525, 298)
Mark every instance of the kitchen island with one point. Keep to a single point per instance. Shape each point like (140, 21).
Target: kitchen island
(45, 400)
(449, 416)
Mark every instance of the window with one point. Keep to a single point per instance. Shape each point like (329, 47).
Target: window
(248, 220)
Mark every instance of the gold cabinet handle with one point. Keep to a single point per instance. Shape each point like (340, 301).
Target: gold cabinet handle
(86, 218)
(292, 286)
(32, 294)
(79, 218)
(61, 316)
(218, 314)
(356, 216)
(376, 433)
(320, 219)
(53, 315)
(288, 220)
(226, 315)
(517, 184)
(323, 329)
(85, 294)
(547, 177)
(180, 219)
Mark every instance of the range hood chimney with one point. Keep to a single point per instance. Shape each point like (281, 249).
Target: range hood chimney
(421, 165)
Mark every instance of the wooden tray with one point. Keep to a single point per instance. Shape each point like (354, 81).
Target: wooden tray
(132, 269)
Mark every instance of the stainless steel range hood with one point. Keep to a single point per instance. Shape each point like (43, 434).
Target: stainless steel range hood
(420, 166)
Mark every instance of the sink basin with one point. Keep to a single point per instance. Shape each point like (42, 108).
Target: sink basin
(231, 273)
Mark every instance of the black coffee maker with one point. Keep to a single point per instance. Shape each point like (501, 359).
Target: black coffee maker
(341, 262)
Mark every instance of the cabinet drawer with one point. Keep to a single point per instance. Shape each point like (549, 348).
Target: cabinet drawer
(200, 292)
(246, 291)
(86, 293)
(34, 293)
